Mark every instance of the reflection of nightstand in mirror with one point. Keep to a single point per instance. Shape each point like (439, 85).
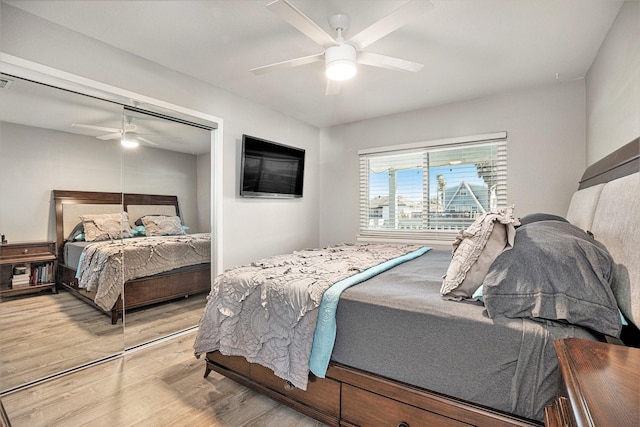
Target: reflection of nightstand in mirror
(27, 267)
(600, 385)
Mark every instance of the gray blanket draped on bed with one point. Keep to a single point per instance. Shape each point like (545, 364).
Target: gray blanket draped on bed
(267, 311)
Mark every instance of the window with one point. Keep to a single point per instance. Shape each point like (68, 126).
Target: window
(429, 191)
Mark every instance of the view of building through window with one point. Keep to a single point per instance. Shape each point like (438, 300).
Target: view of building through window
(432, 189)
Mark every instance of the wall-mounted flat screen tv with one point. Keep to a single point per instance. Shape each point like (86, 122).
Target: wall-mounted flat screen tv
(270, 169)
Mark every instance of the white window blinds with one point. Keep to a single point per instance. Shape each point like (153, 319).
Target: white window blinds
(429, 191)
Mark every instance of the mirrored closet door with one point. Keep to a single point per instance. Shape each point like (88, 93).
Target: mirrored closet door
(166, 175)
(62, 156)
(43, 147)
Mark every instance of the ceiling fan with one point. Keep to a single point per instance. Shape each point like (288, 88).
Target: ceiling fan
(341, 56)
(128, 136)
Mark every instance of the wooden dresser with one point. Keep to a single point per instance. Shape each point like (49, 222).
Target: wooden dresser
(600, 385)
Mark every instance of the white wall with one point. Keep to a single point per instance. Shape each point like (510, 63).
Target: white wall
(252, 228)
(613, 87)
(148, 170)
(36, 161)
(545, 149)
(203, 197)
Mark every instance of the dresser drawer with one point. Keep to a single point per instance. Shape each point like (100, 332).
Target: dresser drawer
(362, 408)
(235, 363)
(14, 252)
(321, 393)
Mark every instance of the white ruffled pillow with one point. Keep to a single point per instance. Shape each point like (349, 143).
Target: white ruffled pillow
(160, 225)
(106, 226)
(475, 249)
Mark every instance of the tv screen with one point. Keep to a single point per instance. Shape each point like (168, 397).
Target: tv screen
(270, 169)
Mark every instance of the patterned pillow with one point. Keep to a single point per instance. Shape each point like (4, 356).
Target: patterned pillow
(106, 226)
(474, 251)
(158, 225)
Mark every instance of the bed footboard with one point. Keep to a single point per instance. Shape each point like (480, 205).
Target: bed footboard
(67, 281)
(145, 291)
(349, 397)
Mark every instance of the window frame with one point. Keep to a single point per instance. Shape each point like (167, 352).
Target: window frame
(424, 236)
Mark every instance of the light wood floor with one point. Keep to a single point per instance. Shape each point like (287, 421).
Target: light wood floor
(161, 385)
(46, 333)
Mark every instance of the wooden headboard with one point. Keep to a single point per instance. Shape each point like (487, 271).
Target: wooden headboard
(132, 202)
(70, 204)
(609, 193)
(622, 162)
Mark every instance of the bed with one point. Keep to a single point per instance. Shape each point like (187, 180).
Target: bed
(405, 355)
(176, 265)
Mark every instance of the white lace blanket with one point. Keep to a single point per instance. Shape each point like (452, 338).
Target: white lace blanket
(101, 263)
(267, 311)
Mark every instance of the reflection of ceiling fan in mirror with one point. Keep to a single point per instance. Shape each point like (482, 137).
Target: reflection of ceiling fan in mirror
(129, 136)
(341, 56)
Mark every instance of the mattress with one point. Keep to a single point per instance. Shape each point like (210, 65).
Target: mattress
(72, 252)
(397, 325)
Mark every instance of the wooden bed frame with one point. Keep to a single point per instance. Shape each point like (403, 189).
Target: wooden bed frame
(349, 397)
(140, 292)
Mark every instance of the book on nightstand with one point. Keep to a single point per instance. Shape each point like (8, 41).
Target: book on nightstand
(20, 281)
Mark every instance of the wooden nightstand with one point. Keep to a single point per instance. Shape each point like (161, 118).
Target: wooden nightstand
(600, 385)
(39, 261)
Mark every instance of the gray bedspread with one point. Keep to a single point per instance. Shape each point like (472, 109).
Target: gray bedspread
(267, 311)
(397, 325)
(106, 265)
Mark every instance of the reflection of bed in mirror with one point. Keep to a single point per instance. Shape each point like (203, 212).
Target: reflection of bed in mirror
(162, 265)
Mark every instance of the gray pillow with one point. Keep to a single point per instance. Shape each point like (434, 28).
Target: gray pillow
(77, 230)
(539, 216)
(555, 271)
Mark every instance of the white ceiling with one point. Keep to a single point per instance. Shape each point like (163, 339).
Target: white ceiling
(469, 48)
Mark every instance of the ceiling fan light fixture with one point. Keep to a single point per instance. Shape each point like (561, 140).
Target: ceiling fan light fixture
(129, 141)
(340, 62)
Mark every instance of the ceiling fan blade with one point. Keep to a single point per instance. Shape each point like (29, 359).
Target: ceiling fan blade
(384, 61)
(110, 136)
(288, 64)
(390, 23)
(145, 140)
(301, 22)
(100, 128)
(333, 87)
